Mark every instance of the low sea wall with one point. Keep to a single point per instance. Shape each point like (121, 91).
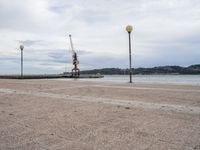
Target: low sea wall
(48, 76)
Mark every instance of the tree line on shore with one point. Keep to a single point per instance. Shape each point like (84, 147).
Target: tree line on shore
(193, 69)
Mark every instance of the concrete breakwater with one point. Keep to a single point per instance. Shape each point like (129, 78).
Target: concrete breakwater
(48, 76)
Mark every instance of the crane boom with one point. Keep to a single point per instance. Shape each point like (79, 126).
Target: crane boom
(72, 46)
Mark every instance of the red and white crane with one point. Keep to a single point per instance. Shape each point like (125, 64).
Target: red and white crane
(75, 62)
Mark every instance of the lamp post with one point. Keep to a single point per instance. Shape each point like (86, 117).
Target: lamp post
(21, 48)
(129, 29)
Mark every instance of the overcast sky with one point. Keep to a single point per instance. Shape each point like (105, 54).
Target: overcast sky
(166, 32)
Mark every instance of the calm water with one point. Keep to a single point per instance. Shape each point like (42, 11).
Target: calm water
(176, 79)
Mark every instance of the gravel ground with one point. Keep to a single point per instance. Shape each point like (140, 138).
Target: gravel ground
(57, 114)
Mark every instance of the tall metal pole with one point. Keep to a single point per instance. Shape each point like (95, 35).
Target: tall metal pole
(129, 29)
(21, 48)
(21, 62)
(130, 70)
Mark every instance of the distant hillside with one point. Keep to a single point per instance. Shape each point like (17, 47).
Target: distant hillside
(193, 69)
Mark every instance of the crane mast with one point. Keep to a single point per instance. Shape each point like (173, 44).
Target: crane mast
(75, 62)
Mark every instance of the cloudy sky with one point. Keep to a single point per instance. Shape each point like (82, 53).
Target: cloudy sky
(166, 32)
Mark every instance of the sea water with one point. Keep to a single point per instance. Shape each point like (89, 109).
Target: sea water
(174, 79)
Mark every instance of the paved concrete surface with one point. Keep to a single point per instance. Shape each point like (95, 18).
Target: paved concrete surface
(52, 114)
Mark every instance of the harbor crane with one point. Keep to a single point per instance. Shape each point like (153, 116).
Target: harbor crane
(75, 62)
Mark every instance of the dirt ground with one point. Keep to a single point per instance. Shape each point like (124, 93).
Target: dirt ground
(83, 115)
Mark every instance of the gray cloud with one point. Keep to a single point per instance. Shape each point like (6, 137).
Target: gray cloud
(58, 7)
(29, 42)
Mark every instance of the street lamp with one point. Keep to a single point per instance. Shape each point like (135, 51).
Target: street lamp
(21, 48)
(129, 29)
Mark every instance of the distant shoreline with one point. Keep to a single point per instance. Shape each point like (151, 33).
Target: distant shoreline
(162, 70)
